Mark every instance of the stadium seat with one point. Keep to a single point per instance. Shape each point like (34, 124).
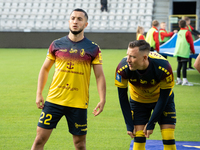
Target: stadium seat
(121, 14)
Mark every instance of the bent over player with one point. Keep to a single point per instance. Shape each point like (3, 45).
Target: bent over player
(150, 80)
(68, 95)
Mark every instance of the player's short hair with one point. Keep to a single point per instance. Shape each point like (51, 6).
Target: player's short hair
(81, 10)
(142, 44)
(186, 18)
(155, 23)
(182, 23)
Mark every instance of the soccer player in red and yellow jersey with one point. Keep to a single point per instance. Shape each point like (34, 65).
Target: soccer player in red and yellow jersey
(68, 95)
(150, 80)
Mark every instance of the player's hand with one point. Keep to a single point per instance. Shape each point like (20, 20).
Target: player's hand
(99, 108)
(199, 35)
(147, 133)
(40, 101)
(131, 134)
(175, 31)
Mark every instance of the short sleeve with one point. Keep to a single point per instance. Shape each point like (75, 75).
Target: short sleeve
(50, 54)
(98, 59)
(121, 79)
(167, 79)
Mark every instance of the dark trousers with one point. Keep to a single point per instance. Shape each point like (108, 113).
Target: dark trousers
(104, 7)
(182, 64)
(190, 63)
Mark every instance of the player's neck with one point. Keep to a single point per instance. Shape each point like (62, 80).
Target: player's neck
(146, 64)
(76, 38)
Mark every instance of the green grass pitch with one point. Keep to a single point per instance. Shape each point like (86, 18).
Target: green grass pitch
(19, 115)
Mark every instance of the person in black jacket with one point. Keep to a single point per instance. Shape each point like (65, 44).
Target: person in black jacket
(104, 5)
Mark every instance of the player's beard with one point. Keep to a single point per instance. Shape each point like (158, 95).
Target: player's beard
(76, 32)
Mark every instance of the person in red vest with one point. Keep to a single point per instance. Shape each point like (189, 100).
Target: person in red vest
(184, 46)
(152, 36)
(164, 35)
(140, 33)
(194, 33)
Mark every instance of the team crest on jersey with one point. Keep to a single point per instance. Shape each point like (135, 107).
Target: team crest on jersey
(82, 52)
(153, 82)
(119, 77)
(133, 80)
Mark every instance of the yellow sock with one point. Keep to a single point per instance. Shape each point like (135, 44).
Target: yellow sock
(168, 139)
(139, 141)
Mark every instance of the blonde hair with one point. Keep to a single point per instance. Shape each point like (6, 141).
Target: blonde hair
(138, 31)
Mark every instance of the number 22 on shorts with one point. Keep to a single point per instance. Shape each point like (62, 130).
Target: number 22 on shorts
(48, 118)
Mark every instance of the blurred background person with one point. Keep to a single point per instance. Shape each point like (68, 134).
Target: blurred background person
(184, 45)
(140, 33)
(194, 33)
(152, 36)
(104, 5)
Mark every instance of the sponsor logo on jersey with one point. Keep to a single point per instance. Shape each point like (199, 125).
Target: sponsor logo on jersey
(63, 50)
(73, 50)
(133, 80)
(143, 81)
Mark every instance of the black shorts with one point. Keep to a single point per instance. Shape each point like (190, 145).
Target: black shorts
(76, 118)
(181, 59)
(142, 112)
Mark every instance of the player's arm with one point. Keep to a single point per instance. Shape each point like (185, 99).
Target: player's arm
(197, 63)
(190, 41)
(101, 86)
(195, 32)
(165, 34)
(126, 110)
(156, 39)
(42, 79)
(158, 110)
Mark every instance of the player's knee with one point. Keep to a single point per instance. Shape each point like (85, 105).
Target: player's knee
(40, 141)
(80, 142)
(80, 145)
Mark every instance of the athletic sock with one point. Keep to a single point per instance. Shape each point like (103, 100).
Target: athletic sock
(168, 139)
(139, 141)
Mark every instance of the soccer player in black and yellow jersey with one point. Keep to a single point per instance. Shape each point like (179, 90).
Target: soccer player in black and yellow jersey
(68, 94)
(150, 79)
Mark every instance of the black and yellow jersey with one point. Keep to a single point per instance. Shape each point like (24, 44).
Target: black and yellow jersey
(145, 87)
(73, 60)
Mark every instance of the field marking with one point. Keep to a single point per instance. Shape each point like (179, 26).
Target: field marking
(190, 82)
(187, 70)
